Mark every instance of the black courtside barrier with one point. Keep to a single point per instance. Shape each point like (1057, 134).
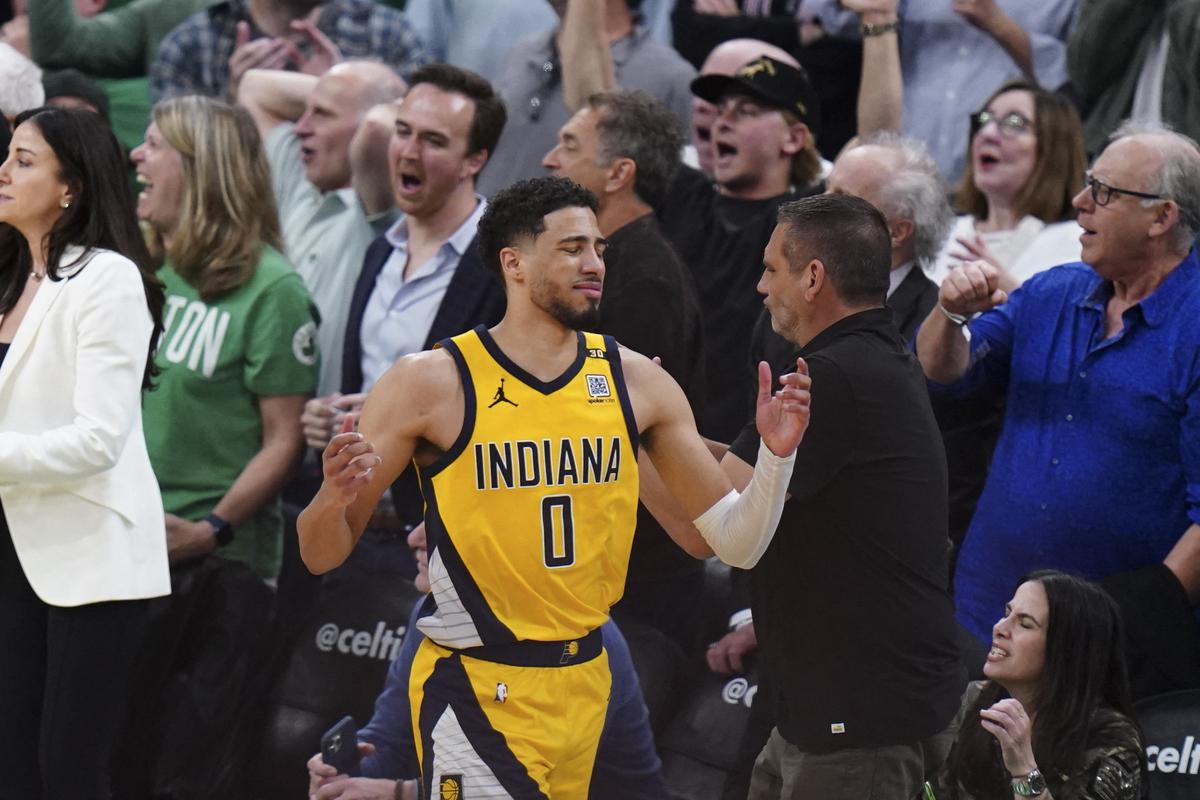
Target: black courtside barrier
(1171, 724)
(337, 667)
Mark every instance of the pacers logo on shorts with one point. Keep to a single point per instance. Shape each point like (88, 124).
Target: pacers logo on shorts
(570, 650)
(450, 787)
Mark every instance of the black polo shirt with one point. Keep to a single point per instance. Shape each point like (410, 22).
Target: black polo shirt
(851, 607)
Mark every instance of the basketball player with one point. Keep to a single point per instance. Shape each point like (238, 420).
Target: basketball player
(531, 501)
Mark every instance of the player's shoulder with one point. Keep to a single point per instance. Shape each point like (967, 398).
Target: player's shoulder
(649, 384)
(430, 374)
(636, 366)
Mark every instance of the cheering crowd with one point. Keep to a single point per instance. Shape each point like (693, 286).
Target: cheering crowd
(947, 244)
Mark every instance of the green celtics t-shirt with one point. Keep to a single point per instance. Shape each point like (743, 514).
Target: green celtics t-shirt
(216, 359)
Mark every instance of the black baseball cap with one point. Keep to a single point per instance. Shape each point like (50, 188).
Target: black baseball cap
(773, 82)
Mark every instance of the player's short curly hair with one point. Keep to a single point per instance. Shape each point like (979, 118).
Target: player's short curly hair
(520, 211)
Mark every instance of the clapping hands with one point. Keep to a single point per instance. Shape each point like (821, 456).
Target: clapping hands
(280, 51)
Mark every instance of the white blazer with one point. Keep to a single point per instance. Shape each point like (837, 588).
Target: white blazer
(82, 503)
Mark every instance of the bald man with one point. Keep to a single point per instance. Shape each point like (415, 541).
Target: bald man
(327, 147)
(725, 59)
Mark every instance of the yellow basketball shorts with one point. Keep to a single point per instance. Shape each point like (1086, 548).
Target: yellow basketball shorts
(493, 730)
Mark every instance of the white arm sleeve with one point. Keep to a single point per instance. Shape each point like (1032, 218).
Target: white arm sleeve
(739, 527)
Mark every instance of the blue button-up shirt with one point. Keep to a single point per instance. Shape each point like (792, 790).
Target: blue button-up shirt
(400, 310)
(1097, 469)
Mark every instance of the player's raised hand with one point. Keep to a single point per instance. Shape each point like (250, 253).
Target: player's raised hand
(347, 464)
(782, 417)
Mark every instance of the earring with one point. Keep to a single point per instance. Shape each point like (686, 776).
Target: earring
(66, 204)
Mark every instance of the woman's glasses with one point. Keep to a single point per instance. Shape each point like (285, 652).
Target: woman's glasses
(1010, 124)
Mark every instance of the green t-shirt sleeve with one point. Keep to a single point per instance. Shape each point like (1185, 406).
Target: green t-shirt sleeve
(281, 340)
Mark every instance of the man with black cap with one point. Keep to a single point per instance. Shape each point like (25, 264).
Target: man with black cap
(764, 142)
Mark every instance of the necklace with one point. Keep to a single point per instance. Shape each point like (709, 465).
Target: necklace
(36, 276)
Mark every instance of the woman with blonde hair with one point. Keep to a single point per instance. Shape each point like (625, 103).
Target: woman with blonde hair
(1026, 161)
(238, 354)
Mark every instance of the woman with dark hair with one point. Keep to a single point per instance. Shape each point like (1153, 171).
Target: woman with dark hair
(1025, 163)
(1054, 719)
(238, 353)
(82, 546)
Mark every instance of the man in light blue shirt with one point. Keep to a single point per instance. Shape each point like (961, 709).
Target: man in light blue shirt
(407, 296)
(331, 206)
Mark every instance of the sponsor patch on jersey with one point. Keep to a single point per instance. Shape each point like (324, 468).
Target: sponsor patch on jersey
(597, 386)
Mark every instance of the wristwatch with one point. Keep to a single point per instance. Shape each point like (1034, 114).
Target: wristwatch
(222, 530)
(1031, 785)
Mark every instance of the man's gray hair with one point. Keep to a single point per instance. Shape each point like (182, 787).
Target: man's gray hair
(1178, 176)
(20, 82)
(915, 192)
(634, 125)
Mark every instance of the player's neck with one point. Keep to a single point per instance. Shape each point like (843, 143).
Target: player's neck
(538, 343)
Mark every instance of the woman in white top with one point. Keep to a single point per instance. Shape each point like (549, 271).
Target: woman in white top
(82, 540)
(1026, 163)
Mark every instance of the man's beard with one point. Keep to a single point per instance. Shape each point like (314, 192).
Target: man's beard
(587, 319)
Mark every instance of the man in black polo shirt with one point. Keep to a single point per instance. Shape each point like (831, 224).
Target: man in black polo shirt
(764, 144)
(851, 607)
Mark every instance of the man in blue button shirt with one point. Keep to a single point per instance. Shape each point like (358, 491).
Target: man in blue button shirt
(1097, 470)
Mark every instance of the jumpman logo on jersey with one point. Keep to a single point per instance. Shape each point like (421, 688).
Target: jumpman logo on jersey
(499, 397)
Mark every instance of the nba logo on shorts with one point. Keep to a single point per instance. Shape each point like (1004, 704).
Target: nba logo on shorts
(597, 386)
(501, 692)
(450, 787)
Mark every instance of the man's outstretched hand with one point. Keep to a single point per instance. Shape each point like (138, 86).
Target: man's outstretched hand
(782, 417)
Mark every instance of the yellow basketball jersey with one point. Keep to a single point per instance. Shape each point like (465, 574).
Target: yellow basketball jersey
(530, 514)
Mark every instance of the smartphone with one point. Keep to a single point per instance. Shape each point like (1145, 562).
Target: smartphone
(339, 746)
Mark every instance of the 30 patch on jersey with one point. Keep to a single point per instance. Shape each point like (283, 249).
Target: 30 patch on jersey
(597, 386)
(450, 787)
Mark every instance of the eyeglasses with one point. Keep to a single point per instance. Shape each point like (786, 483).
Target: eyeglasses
(1102, 193)
(1010, 125)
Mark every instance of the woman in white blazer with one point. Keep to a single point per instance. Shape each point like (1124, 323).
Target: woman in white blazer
(83, 544)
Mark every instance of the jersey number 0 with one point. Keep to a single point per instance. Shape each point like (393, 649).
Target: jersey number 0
(558, 531)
